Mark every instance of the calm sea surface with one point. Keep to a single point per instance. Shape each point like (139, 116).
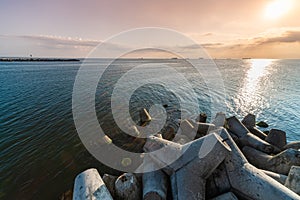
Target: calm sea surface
(40, 151)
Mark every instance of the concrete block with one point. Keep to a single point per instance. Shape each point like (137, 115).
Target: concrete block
(194, 163)
(219, 120)
(144, 117)
(247, 138)
(277, 138)
(89, 186)
(292, 145)
(155, 182)
(247, 181)
(249, 120)
(226, 196)
(109, 181)
(278, 177)
(128, 187)
(202, 118)
(293, 179)
(279, 163)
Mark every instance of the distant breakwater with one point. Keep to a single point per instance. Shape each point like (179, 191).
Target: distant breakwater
(39, 60)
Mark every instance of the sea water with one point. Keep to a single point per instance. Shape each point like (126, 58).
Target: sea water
(40, 151)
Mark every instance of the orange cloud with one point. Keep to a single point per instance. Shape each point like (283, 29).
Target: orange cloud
(285, 45)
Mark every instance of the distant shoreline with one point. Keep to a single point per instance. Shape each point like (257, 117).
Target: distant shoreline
(29, 59)
(39, 60)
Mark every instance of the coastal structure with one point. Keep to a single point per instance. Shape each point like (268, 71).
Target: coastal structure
(31, 59)
(228, 161)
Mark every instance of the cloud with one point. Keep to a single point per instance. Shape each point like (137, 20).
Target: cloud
(280, 43)
(200, 46)
(212, 45)
(286, 37)
(62, 41)
(269, 44)
(57, 41)
(208, 34)
(50, 45)
(190, 47)
(266, 45)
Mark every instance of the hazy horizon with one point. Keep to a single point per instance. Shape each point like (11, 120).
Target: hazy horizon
(137, 58)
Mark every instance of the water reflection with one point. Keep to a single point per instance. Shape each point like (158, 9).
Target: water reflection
(250, 94)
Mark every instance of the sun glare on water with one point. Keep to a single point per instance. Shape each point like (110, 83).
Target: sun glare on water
(249, 97)
(278, 8)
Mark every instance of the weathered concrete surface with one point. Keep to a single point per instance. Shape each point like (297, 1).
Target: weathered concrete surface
(249, 122)
(277, 138)
(251, 140)
(280, 163)
(133, 131)
(169, 133)
(109, 181)
(293, 180)
(90, 186)
(257, 132)
(278, 177)
(203, 129)
(159, 135)
(181, 139)
(248, 181)
(226, 196)
(235, 138)
(202, 118)
(155, 182)
(219, 120)
(144, 117)
(187, 180)
(218, 182)
(195, 130)
(292, 145)
(248, 139)
(187, 129)
(128, 187)
(236, 127)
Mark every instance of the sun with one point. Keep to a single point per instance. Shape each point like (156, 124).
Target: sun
(277, 8)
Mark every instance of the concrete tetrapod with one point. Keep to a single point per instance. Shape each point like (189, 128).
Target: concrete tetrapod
(293, 145)
(194, 130)
(203, 129)
(249, 121)
(219, 120)
(191, 164)
(226, 196)
(202, 118)
(277, 137)
(187, 129)
(293, 180)
(280, 163)
(247, 181)
(89, 186)
(248, 139)
(278, 177)
(218, 182)
(155, 182)
(109, 181)
(128, 187)
(144, 117)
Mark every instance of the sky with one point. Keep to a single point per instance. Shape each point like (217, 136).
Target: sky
(224, 28)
